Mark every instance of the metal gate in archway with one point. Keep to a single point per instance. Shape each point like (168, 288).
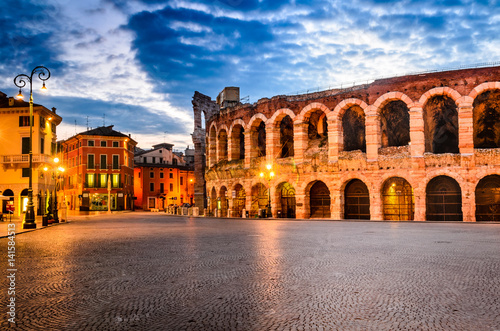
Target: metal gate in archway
(357, 201)
(259, 199)
(398, 200)
(287, 200)
(443, 200)
(488, 199)
(239, 201)
(319, 202)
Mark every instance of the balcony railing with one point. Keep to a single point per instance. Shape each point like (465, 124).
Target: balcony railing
(24, 158)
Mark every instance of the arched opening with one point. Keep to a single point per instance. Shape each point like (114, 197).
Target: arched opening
(259, 199)
(213, 201)
(317, 129)
(239, 201)
(286, 137)
(486, 115)
(395, 124)
(441, 125)
(488, 199)
(222, 148)
(212, 147)
(286, 200)
(357, 200)
(353, 126)
(10, 202)
(319, 200)
(238, 143)
(258, 139)
(24, 200)
(443, 200)
(222, 203)
(398, 200)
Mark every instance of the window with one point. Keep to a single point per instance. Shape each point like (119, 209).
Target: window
(116, 181)
(162, 187)
(103, 180)
(80, 159)
(151, 187)
(174, 161)
(153, 159)
(90, 179)
(182, 180)
(90, 143)
(116, 161)
(151, 174)
(115, 143)
(171, 175)
(26, 172)
(53, 127)
(25, 120)
(42, 122)
(103, 143)
(161, 174)
(139, 175)
(90, 161)
(103, 161)
(171, 187)
(25, 145)
(42, 146)
(53, 148)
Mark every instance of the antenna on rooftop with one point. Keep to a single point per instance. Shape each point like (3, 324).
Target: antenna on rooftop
(87, 123)
(103, 119)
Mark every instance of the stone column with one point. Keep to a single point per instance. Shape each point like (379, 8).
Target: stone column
(335, 139)
(468, 202)
(420, 207)
(372, 136)
(272, 144)
(417, 137)
(300, 206)
(300, 141)
(465, 127)
(249, 152)
(336, 204)
(376, 209)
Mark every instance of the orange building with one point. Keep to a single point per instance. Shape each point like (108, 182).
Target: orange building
(162, 178)
(99, 170)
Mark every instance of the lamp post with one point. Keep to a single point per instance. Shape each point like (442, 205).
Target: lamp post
(56, 188)
(270, 175)
(21, 81)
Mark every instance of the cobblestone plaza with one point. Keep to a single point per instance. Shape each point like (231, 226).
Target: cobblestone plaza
(149, 271)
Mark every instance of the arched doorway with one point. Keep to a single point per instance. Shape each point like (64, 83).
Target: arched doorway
(357, 201)
(222, 202)
(319, 201)
(24, 200)
(10, 202)
(287, 200)
(259, 199)
(398, 200)
(239, 201)
(443, 200)
(213, 201)
(488, 199)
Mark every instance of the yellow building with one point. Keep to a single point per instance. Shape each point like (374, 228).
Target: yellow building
(14, 153)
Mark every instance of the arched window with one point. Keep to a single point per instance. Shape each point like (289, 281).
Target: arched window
(286, 137)
(486, 116)
(395, 124)
(441, 125)
(488, 199)
(353, 125)
(222, 145)
(238, 143)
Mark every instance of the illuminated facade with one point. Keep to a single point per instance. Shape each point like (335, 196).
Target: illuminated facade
(99, 163)
(14, 151)
(417, 147)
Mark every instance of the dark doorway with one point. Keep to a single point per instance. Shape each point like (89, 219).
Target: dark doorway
(357, 201)
(320, 201)
(443, 200)
(287, 200)
(488, 199)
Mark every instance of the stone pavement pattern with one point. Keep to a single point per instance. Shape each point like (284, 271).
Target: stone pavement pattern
(143, 271)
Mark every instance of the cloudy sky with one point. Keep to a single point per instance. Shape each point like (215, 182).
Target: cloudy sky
(136, 64)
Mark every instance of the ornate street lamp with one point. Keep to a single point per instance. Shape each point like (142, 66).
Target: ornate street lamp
(270, 175)
(21, 81)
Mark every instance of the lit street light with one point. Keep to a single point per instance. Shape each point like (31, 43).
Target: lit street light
(270, 175)
(21, 81)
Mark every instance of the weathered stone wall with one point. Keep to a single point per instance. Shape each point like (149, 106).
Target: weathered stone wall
(329, 159)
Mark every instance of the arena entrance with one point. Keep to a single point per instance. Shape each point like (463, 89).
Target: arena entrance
(319, 201)
(287, 200)
(357, 201)
(443, 200)
(398, 200)
(239, 201)
(488, 199)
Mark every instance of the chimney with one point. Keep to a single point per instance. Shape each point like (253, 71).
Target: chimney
(54, 109)
(11, 101)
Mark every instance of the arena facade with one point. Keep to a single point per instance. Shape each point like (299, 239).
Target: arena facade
(416, 147)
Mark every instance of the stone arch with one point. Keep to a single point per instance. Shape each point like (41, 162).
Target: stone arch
(285, 200)
(486, 118)
(239, 200)
(448, 91)
(443, 199)
(488, 198)
(257, 129)
(279, 114)
(305, 112)
(319, 199)
(440, 116)
(222, 143)
(340, 109)
(394, 119)
(483, 88)
(237, 139)
(398, 201)
(356, 200)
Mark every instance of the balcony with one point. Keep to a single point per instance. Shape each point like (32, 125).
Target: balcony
(24, 158)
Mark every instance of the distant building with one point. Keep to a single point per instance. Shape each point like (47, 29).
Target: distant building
(162, 178)
(14, 151)
(99, 161)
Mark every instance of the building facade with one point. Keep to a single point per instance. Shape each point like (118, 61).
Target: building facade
(162, 178)
(418, 147)
(14, 154)
(99, 170)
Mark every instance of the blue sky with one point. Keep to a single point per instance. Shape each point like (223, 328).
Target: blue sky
(136, 64)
